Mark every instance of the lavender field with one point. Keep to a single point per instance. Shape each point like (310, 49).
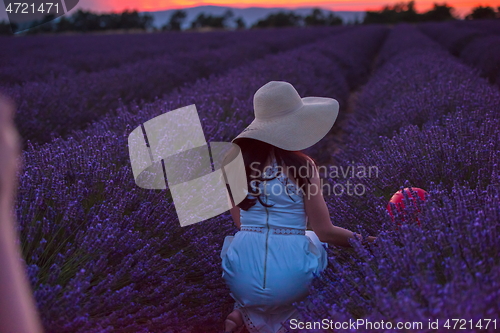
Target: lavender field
(420, 103)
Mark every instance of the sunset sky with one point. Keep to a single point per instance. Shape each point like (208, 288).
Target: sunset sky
(462, 6)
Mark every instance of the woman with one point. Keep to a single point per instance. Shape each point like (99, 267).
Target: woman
(270, 263)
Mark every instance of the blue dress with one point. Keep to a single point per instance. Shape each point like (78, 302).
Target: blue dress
(270, 263)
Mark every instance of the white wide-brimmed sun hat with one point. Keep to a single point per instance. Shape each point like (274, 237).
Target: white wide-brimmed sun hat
(287, 121)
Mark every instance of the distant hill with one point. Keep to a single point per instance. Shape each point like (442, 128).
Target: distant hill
(249, 15)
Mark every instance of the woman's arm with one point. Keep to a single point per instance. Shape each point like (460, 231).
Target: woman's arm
(17, 306)
(319, 217)
(235, 213)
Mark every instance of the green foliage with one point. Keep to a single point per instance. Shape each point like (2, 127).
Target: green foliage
(405, 12)
(5, 28)
(175, 22)
(240, 24)
(279, 20)
(203, 20)
(439, 13)
(86, 21)
(289, 19)
(318, 18)
(480, 12)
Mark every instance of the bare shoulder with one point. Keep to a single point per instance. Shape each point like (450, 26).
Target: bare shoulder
(312, 168)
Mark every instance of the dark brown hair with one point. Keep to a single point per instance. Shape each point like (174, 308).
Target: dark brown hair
(258, 151)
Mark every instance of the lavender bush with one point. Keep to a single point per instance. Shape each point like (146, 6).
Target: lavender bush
(440, 263)
(31, 58)
(446, 268)
(490, 26)
(405, 38)
(104, 255)
(38, 58)
(415, 87)
(478, 45)
(484, 54)
(53, 107)
(451, 37)
(356, 59)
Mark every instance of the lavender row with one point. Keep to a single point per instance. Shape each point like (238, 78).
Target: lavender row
(59, 105)
(417, 86)
(430, 93)
(455, 151)
(405, 39)
(473, 44)
(426, 263)
(453, 38)
(483, 53)
(342, 75)
(37, 58)
(445, 268)
(356, 59)
(105, 255)
(488, 26)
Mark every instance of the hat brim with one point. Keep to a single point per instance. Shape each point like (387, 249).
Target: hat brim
(298, 130)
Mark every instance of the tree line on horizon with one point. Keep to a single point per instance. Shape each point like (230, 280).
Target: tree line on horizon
(86, 21)
(405, 12)
(389, 14)
(277, 20)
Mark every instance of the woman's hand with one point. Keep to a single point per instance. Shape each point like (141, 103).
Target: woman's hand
(319, 217)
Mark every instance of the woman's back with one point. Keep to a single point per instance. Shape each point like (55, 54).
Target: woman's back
(270, 263)
(283, 202)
